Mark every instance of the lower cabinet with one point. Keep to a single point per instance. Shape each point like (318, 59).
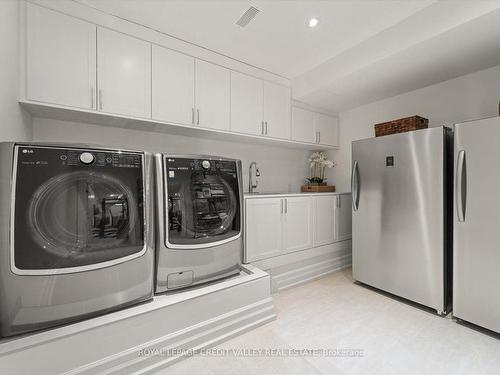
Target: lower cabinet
(275, 226)
(281, 225)
(324, 219)
(332, 219)
(343, 217)
(263, 228)
(297, 224)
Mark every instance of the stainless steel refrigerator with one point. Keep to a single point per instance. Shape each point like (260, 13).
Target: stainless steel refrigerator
(476, 281)
(402, 208)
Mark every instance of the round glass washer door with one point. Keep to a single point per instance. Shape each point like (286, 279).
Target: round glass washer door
(83, 218)
(210, 207)
(203, 202)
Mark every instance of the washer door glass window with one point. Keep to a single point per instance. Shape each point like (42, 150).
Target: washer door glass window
(76, 209)
(203, 201)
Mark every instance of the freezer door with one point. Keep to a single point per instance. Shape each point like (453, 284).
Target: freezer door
(398, 239)
(476, 268)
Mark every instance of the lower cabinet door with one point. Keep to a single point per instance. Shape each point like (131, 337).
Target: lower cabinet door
(324, 219)
(263, 228)
(297, 224)
(344, 217)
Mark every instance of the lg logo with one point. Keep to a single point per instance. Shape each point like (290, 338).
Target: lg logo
(26, 151)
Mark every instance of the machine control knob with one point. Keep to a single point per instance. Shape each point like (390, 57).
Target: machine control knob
(205, 164)
(87, 158)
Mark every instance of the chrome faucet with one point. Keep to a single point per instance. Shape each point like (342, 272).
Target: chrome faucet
(251, 184)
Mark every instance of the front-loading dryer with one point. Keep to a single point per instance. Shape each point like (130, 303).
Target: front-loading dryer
(200, 220)
(76, 233)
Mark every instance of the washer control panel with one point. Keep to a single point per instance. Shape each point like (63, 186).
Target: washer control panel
(40, 156)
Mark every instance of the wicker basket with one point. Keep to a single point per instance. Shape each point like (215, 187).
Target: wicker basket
(400, 126)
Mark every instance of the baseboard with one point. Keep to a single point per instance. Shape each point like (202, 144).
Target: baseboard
(155, 354)
(149, 337)
(301, 275)
(293, 269)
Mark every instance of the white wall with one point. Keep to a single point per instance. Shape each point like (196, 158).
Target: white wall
(15, 124)
(469, 97)
(281, 169)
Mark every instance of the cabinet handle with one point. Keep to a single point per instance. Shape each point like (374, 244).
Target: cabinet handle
(92, 98)
(281, 206)
(198, 113)
(286, 206)
(262, 127)
(316, 137)
(192, 115)
(100, 99)
(266, 127)
(319, 137)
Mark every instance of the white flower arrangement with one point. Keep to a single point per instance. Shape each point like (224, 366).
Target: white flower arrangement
(318, 161)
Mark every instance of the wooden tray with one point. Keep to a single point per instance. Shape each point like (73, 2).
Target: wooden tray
(317, 188)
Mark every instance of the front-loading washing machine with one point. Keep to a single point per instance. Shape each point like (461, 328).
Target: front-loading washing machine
(76, 233)
(200, 220)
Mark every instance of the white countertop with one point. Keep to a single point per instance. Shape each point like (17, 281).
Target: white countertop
(287, 194)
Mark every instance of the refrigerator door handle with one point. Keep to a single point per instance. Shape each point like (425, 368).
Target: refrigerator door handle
(355, 186)
(461, 186)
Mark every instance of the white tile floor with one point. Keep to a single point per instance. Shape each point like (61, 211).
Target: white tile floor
(334, 313)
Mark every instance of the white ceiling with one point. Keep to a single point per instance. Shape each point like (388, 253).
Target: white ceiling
(278, 39)
(443, 41)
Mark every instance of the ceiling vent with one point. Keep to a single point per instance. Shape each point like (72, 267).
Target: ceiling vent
(248, 16)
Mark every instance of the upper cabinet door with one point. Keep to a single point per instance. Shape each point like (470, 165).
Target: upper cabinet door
(124, 74)
(324, 219)
(246, 104)
(213, 87)
(327, 127)
(277, 110)
(173, 86)
(303, 129)
(343, 217)
(61, 59)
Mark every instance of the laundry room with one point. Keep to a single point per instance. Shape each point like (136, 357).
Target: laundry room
(261, 187)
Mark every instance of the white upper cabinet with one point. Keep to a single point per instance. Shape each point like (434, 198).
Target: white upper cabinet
(67, 62)
(247, 97)
(60, 59)
(324, 219)
(173, 86)
(277, 110)
(124, 74)
(327, 128)
(303, 126)
(314, 127)
(213, 87)
(297, 224)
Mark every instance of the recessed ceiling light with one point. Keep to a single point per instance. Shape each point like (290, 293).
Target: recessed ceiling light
(313, 22)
